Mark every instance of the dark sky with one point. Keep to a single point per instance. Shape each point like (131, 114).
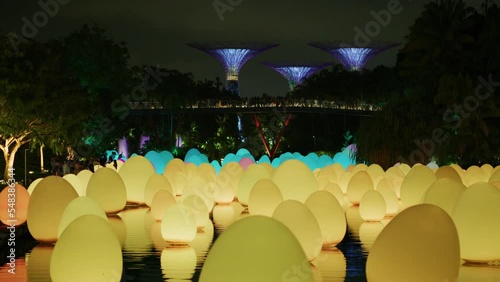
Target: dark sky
(156, 31)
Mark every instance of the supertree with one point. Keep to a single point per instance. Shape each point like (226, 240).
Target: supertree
(233, 57)
(352, 57)
(296, 73)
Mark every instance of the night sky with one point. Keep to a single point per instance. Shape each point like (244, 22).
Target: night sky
(156, 31)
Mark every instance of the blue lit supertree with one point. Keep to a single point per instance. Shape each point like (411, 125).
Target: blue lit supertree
(353, 58)
(233, 57)
(296, 73)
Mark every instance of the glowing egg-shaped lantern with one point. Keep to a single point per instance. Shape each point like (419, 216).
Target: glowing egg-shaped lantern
(414, 185)
(448, 172)
(223, 191)
(267, 166)
(207, 171)
(269, 247)
(84, 176)
(178, 264)
(199, 186)
(360, 183)
(295, 180)
(328, 173)
(444, 193)
(476, 215)
(14, 202)
(386, 189)
(264, 198)
(79, 207)
(458, 169)
(33, 185)
(375, 171)
(338, 168)
(199, 209)
(344, 180)
(46, 207)
(405, 168)
(419, 244)
(178, 226)
(246, 162)
(301, 221)
(336, 191)
(495, 176)
(394, 172)
(488, 169)
(330, 216)
(178, 181)
(88, 250)
(359, 167)
(252, 174)
(156, 182)
(162, 200)
(372, 206)
(76, 183)
(135, 173)
(235, 172)
(191, 170)
(473, 175)
(107, 188)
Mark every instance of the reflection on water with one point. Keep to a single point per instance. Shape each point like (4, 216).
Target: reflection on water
(147, 257)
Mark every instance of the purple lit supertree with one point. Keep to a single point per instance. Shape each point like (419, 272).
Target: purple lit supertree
(233, 57)
(353, 58)
(296, 73)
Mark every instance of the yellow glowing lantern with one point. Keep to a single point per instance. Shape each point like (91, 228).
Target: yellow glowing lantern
(414, 185)
(178, 226)
(386, 188)
(79, 207)
(264, 198)
(76, 183)
(330, 216)
(207, 171)
(178, 180)
(156, 183)
(301, 221)
(175, 165)
(368, 233)
(135, 173)
(405, 168)
(376, 172)
(178, 263)
(476, 215)
(162, 200)
(458, 169)
(474, 174)
(223, 191)
(448, 172)
(88, 250)
(360, 183)
(295, 180)
(267, 166)
(344, 180)
(272, 253)
(372, 206)
(444, 193)
(14, 202)
(191, 170)
(46, 207)
(252, 174)
(338, 168)
(199, 186)
(326, 175)
(419, 244)
(235, 172)
(336, 191)
(487, 169)
(119, 228)
(84, 176)
(107, 188)
(495, 176)
(359, 167)
(199, 209)
(224, 216)
(394, 172)
(496, 184)
(33, 185)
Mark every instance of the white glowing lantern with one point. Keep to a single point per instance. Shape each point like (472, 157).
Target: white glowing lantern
(84, 176)
(156, 183)
(46, 207)
(199, 186)
(162, 200)
(107, 188)
(344, 180)
(414, 185)
(223, 191)
(33, 185)
(19, 203)
(444, 193)
(252, 174)
(295, 180)
(476, 215)
(330, 216)
(386, 188)
(301, 221)
(360, 183)
(76, 183)
(419, 244)
(448, 172)
(474, 174)
(79, 207)
(135, 173)
(372, 206)
(235, 172)
(376, 172)
(178, 226)
(178, 263)
(269, 247)
(88, 250)
(199, 209)
(264, 198)
(336, 191)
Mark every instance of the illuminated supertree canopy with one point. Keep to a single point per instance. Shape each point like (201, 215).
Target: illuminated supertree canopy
(296, 73)
(233, 57)
(353, 58)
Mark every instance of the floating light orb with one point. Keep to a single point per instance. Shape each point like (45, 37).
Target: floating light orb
(46, 207)
(487, 169)
(444, 193)
(414, 185)
(162, 200)
(419, 244)
(178, 181)
(88, 250)
(155, 183)
(223, 191)
(84, 176)
(336, 191)
(372, 206)
(295, 180)
(386, 189)
(495, 176)
(269, 247)
(395, 172)
(178, 263)
(207, 171)
(199, 209)
(330, 216)
(178, 226)
(476, 215)
(79, 207)
(448, 172)
(33, 185)
(328, 173)
(107, 188)
(76, 183)
(375, 171)
(344, 180)
(474, 174)
(301, 221)
(360, 183)
(199, 186)
(459, 170)
(251, 175)
(235, 172)
(264, 197)
(405, 168)
(19, 202)
(135, 173)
